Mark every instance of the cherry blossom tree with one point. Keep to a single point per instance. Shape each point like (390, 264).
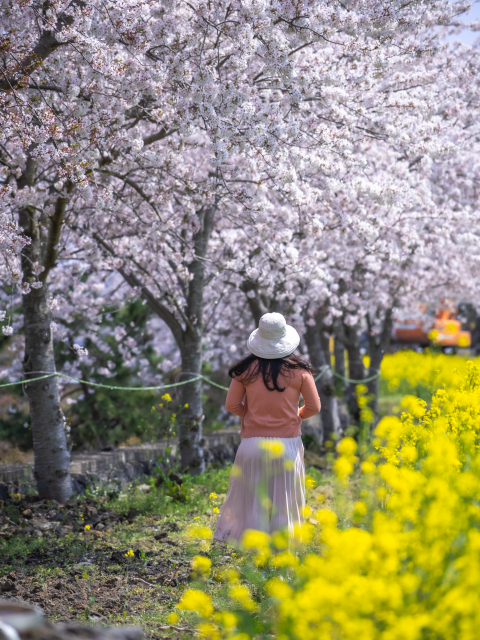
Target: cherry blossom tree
(393, 232)
(143, 137)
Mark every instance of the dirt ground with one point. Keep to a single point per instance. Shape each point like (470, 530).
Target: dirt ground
(92, 561)
(122, 561)
(124, 569)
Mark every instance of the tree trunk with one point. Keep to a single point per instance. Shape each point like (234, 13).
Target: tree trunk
(52, 458)
(325, 385)
(325, 342)
(339, 352)
(377, 348)
(191, 414)
(356, 370)
(188, 338)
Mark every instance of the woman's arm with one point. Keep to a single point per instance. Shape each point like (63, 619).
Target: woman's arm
(310, 397)
(233, 403)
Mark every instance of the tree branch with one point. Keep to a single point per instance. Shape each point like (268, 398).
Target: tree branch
(159, 135)
(155, 305)
(256, 305)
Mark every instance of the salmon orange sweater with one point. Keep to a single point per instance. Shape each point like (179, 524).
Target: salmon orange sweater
(273, 413)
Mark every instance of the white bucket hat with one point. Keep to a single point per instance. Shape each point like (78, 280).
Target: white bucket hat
(274, 338)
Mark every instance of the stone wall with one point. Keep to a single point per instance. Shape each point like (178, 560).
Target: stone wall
(124, 463)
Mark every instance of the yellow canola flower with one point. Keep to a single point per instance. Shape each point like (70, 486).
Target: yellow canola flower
(275, 448)
(173, 618)
(360, 508)
(242, 595)
(196, 600)
(362, 402)
(87, 527)
(166, 397)
(226, 619)
(278, 588)
(201, 565)
(344, 464)
(302, 532)
(228, 575)
(410, 371)
(253, 539)
(412, 570)
(285, 559)
(280, 539)
(307, 511)
(236, 471)
(261, 558)
(208, 630)
(347, 447)
(213, 496)
(415, 406)
(343, 467)
(368, 467)
(326, 517)
(198, 532)
(186, 405)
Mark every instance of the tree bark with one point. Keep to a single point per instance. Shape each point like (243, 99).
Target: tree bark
(52, 458)
(191, 416)
(377, 348)
(325, 385)
(325, 342)
(256, 304)
(339, 352)
(356, 370)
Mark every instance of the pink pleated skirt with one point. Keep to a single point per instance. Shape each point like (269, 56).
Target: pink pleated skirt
(266, 490)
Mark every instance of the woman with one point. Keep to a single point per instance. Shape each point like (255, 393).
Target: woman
(267, 484)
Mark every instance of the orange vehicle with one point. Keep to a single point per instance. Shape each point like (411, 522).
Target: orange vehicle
(444, 330)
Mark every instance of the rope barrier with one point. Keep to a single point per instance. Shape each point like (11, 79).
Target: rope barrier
(377, 375)
(98, 385)
(108, 386)
(344, 378)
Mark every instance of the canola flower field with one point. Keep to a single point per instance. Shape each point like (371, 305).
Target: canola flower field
(397, 557)
(421, 374)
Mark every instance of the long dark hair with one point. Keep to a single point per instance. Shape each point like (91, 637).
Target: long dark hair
(252, 366)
